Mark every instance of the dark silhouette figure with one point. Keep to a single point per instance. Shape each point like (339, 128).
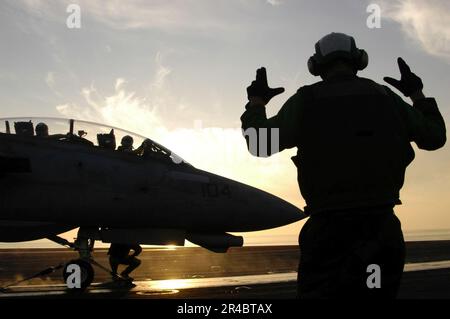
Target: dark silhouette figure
(126, 144)
(24, 128)
(41, 130)
(353, 138)
(107, 141)
(119, 254)
(148, 150)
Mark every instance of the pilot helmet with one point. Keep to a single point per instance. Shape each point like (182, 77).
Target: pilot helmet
(127, 141)
(147, 142)
(41, 129)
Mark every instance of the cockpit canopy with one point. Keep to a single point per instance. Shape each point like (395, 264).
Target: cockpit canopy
(88, 133)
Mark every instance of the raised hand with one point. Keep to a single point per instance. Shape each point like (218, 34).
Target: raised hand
(260, 88)
(409, 83)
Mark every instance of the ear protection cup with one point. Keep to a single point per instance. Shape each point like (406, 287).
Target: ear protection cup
(314, 61)
(363, 60)
(358, 57)
(312, 66)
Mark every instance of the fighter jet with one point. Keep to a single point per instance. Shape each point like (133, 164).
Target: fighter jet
(71, 175)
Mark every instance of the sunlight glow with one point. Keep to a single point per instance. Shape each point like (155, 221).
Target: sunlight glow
(172, 284)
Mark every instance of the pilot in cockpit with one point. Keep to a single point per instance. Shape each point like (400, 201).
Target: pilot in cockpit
(126, 144)
(41, 130)
(144, 149)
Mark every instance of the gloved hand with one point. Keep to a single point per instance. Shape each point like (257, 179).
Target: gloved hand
(260, 88)
(409, 82)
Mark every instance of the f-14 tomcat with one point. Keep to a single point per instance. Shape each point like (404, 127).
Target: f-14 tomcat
(74, 177)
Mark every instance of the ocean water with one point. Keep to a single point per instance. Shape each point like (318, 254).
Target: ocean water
(427, 235)
(252, 239)
(292, 239)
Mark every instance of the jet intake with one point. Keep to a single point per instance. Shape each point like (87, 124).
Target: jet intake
(215, 242)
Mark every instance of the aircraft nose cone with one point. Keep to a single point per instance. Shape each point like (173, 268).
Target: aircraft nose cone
(280, 213)
(266, 211)
(245, 208)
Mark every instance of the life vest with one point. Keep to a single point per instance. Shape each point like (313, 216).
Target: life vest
(353, 146)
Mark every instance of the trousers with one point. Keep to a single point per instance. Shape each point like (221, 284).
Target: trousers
(351, 255)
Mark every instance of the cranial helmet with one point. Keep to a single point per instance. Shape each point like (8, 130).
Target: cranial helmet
(127, 141)
(41, 129)
(335, 46)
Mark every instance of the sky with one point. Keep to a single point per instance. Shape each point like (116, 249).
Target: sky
(176, 71)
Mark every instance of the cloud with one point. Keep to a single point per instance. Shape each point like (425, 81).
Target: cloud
(275, 2)
(122, 108)
(51, 83)
(119, 83)
(161, 74)
(50, 79)
(138, 14)
(425, 22)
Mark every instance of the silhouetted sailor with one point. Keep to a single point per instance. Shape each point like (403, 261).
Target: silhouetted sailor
(41, 130)
(119, 254)
(126, 144)
(353, 138)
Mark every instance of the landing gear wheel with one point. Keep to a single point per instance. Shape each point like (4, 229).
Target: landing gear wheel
(86, 274)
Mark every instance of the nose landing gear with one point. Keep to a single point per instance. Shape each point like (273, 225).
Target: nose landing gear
(78, 274)
(83, 269)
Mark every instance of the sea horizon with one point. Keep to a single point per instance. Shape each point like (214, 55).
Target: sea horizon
(264, 240)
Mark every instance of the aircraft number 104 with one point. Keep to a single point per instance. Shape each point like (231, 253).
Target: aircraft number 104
(214, 190)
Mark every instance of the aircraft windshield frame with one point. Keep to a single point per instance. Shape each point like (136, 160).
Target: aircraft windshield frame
(75, 127)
